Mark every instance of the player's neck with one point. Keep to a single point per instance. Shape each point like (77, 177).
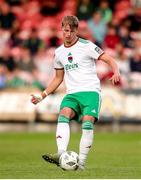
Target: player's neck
(68, 44)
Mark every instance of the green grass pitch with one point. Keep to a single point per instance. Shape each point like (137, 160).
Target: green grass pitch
(112, 156)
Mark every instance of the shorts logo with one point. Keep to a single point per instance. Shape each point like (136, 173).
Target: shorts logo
(94, 111)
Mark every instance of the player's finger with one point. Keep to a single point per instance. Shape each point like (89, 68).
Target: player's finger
(34, 101)
(32, 95)
(117, 79)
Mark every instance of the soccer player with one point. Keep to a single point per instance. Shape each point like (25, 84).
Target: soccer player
(75, 61)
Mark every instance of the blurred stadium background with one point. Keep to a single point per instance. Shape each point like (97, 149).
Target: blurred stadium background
(29, 33)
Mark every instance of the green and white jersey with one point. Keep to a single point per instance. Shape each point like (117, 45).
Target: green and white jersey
(79, 64)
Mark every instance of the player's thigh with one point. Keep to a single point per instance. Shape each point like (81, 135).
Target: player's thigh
(90, 105)
(69, 106)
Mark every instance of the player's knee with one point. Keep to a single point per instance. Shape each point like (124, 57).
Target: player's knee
(63, 119)
(87, 124)
(67, 112)
(65, 115)
(88, 117)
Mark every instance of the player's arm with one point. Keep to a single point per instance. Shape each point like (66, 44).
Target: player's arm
(57, 80)
(111, 62)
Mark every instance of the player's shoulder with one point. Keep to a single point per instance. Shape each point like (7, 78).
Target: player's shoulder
(85, 42)
(59, 48)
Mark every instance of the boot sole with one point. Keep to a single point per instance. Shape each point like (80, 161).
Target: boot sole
(50, 160)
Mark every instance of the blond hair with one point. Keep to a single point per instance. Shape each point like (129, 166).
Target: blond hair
(72, 21)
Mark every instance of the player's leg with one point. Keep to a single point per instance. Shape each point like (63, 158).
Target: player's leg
(86, 139)
(90, 106)
(63, 129)
(68, 109)
(62, 135)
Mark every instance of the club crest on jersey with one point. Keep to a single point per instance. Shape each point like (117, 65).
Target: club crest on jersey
(70, 58)
(71, 65)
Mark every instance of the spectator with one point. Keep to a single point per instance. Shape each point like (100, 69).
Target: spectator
(4, 39)
(85, 9)
(7, 60)
(84, 31)
(111, 39)
(2, 76)
(125, 37)
(53, 40)
(123, 63)
(124, 67)
(15, 39)
(50, 7)
(7, 18)
(26, 62)
(116, 23)
(14, 2)
(97, 27)
(105, 11)
(136, 3)
(134, 20)
(44, 65)
(26, 71)
(135, 62)
(137, 43)
(33, 43)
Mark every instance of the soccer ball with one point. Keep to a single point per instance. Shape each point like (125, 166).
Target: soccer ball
(69, 160)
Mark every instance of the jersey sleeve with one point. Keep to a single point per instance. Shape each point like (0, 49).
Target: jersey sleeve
(95, 51)
(57, 63)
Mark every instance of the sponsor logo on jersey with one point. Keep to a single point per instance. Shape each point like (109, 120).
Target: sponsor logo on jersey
(71, 66)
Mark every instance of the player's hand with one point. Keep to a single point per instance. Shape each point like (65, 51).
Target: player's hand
(35, 99)
(115, 79)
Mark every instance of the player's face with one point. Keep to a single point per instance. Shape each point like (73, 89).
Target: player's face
(69, 34)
